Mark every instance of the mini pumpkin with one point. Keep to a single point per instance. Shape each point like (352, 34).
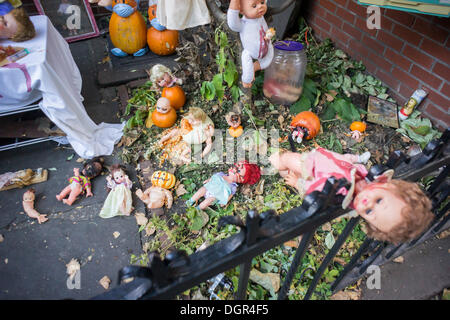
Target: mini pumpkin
(235, 132)
(162, 43)
(163, 179)
(164, 116)
(358, 126)
(308, 122)
(176, 96)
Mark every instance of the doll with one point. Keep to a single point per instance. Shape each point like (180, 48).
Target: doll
(161, 77)
(394, 210)
(28, 206)
(195, 128)
(234, 121)
(155, 197)
(81, 183)
(221, 187)
(255, 36)
(15, 23)
(119, 200)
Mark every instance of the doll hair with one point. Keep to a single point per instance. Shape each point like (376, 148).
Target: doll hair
(252, 172)
(26, 29)
(114, 168)
(416, 215)
(197, 113)
(90, 170)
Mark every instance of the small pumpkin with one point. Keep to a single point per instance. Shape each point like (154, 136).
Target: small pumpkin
(358, 126)
(236, 132)
(176, 96)
(163, 179)
(162, 43)
(164, 116)
(151, 12)
(308, 120)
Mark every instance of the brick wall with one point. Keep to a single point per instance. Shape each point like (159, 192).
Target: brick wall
(408, 51)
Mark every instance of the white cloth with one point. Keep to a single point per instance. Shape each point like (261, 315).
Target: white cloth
(252, 33)
(53, 75)
(182, 14)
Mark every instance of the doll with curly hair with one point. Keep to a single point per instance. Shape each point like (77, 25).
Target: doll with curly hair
(394, 210)
(119, 200)
(221, 187)
(15, 23)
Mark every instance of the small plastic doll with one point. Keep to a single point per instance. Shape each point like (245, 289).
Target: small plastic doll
(15, 23)
(195, 128)
(234, 121)
(221, 187)
(255, 36)
(28, 206)
(161, 77)
(119, 200)
(395, 210)
(155, 197)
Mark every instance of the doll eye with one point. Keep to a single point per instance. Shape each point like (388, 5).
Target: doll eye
(368, 211)
(379, 200)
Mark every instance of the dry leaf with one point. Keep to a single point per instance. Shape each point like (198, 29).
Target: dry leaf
(399, 259)
(180, 190)
(291, 243)
(1, 238)
(116, 234)
(141, 219)
(79, 160)
(105, 281)
(346, 295)
(442, 235)
(270, 281)
(72, 267)
(260, 187)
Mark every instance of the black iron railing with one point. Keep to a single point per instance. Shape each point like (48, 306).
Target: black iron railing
(165, 279)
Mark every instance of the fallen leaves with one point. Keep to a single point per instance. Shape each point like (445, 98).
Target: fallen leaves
(399, 259)
(346, 295)
(72, 268)
(270, 281)
(116, 234)
(105, 282)
(141, 219)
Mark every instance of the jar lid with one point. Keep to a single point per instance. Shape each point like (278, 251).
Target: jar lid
(288, 45)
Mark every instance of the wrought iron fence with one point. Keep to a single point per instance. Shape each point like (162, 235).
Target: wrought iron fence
(178, 272)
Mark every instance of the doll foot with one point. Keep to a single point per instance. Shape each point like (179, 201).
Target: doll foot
(118, 53)
(67, 202)
(140, 52)
(58, 197)
(190, 202)
(363, 158)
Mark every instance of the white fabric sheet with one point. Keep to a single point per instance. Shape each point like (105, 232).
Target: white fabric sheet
(182, 14)
(53, 75)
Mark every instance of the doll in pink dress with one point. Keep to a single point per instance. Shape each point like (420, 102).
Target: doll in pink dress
(394, 210)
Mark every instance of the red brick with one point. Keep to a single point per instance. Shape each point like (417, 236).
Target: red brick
(322, 23)
(446, 89)
(431, 30)
(346, 15)
(362, 25)
(425, 76)
(407, 34)
(437, 98)
(441, 70)
(417, 56)
(329, 5)
(340, 36)
(355, 33)
(436, 50)
(388, 79)
(381, 62)
(405, 78)
(440, 117)
(402, 17)
(356, 46)
(442, 22)
(406, 92)
(373, 44)
(342, 3)
(398, 59)
(357, 8)
(389, 40)
(331, 18)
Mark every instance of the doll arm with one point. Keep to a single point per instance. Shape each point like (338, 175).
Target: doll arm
(168, 136)
(208, 147)
(233, 20)
(169, 198)
(89, 190)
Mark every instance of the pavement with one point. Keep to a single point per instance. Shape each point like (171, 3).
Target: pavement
(33, 257)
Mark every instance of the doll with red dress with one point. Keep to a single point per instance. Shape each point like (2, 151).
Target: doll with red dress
(395, 210)
(221, 187)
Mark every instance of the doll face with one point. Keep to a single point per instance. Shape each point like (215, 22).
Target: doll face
(254, 9)
(8, 26)
(237, 172)
(380, 206)
(165, 80)
(193, 121)
(119, 176)
(163, 105)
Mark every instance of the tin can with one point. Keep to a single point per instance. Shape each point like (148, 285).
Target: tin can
(413, 102)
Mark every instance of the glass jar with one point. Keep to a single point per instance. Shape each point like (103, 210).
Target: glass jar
(283, 79)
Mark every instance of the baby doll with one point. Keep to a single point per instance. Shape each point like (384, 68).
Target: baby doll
(395, 210)
(119, 200)
(162, 77)
(155, 197)
(221, 187)
(255, 36)
(195, 128)
(15, 23)
(28, 206)
(81, 183)
(234, 121)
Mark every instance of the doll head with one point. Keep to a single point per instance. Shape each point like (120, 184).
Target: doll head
(233, 119)
(29, 195)
(196, 116)
(253, 9)
(118, 174)
(15, 23)
(395, 211)
(92, 168)
(163, 105)
(245, 172)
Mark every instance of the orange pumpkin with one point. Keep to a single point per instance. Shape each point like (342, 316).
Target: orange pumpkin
(235, 132)
(308, 120)
(176, 96)
(128, 34)
(164, 120)
(151, 12)
(162, 43)
(163, 179)
(358, 126)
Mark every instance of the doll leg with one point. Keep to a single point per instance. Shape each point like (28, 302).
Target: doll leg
(73, 195)
(287, 161)
(267, 60)
(63, 193)
(206, 203)
(248, 71)
(200, 193)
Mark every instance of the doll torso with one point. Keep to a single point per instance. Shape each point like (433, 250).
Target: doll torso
(79, 181)
(220, 189)
(198, 134)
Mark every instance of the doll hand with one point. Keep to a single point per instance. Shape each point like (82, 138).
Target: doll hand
(291, 179)
(89, 194)
(42, 218)
(76, 171)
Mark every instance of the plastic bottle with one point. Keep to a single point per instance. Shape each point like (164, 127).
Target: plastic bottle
(412, 102)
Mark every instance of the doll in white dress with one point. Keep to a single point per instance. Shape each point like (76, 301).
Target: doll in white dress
(119, 200)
